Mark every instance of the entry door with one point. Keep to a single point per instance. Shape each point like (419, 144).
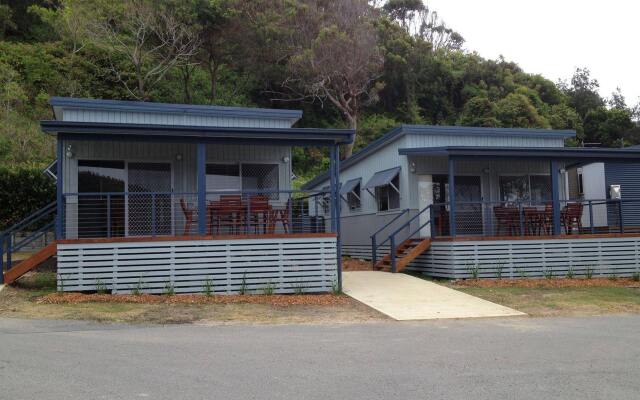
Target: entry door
(468, 205)
(149, 214)
(425, 199)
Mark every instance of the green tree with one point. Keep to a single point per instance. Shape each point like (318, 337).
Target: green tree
(516, 111)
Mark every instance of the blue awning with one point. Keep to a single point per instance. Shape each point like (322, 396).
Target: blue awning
(382, 178)
(350, 185)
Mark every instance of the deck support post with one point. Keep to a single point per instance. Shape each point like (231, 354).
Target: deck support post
(555, 196)
(201, 160)
(452, 197)
(59, 188)
(334, 172)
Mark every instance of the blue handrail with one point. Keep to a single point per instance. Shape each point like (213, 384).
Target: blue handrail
(391, 237)
(374, 247)
(8, 243)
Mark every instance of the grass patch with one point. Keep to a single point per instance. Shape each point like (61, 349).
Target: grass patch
(556, 301)
(35, 297)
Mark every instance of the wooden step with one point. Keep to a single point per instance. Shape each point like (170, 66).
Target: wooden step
(405, 253)
(30, 263)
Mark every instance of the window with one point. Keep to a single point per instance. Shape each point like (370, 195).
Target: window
(388, 196)
(223, 177)
(97, 217)
(230, 177)
(353, 198)
(580, 182)
(534, 188)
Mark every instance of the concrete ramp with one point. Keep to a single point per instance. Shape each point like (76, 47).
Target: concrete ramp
(404, 297)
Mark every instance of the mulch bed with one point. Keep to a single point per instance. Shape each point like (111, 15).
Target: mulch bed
(274, 300)
(548, 283)
(353, 264)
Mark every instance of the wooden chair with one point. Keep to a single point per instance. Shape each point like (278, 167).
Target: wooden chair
(571, 216)
(229, 211)
(188, 216)
(280, 215)
(258, 213)
(507, 219)
(532, 220)
(546, 219)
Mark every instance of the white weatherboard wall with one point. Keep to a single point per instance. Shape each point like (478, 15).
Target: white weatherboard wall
(286, 264)
(530, 258)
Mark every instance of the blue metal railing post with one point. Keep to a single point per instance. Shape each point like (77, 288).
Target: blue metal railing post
(2, 259)
(555, 196)
(591, 216)
(59, 187)
(374, 250)
(109, 215)
(248, 224)
(202, 187)
(620, 216)
(452, 197)
(431, 224)
(153, 214)
(393, 253)
(521, 218)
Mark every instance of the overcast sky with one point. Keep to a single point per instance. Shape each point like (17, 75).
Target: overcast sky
(553, 37)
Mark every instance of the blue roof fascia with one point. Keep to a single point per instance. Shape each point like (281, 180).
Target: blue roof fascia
(149, 107)
(471, 130)
(326, 136)
(531, 152)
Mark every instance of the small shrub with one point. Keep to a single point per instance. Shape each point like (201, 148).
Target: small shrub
(474, 271)
(548, 273)
(521, 273)
(61, 280)
(335, 288)
(207, 288)
(243, 284)
(613, 277)
(299, 288)
(138, 288)
(101, 288)
(636, 276)
(589, 273)
(570, 273)
(499, 269)
(268, 289)
(169, 289)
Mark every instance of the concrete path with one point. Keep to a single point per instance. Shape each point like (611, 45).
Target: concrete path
(404, 297)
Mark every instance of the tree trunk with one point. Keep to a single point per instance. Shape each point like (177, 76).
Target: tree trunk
(213, 76)
(186, 80)
(353, 124)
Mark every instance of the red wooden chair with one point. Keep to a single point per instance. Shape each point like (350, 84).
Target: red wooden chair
(571, 217)
(259, 213)
(280, 215)
(188, 216)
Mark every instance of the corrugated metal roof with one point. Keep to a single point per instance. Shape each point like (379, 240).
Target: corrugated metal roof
(60, 103)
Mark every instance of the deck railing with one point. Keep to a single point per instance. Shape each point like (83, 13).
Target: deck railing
(536, 218)
(226, 212)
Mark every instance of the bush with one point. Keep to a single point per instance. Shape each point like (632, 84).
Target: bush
(23, 190)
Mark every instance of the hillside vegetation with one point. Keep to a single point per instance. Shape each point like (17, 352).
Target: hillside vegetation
(348, 63)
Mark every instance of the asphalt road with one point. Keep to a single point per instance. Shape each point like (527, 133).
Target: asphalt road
(568, 358)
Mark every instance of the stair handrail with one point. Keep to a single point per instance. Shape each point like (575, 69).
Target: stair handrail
(391, 237)
(7, 244)
(373, 237)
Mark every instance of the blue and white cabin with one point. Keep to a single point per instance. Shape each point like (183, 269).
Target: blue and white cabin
(455, 201)
(182, 195)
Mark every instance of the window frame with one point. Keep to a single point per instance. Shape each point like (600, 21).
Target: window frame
(356, 197)
(389, 188)
(240, 174)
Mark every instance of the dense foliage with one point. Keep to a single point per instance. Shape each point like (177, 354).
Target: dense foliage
(348, 63)
(23, 190)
